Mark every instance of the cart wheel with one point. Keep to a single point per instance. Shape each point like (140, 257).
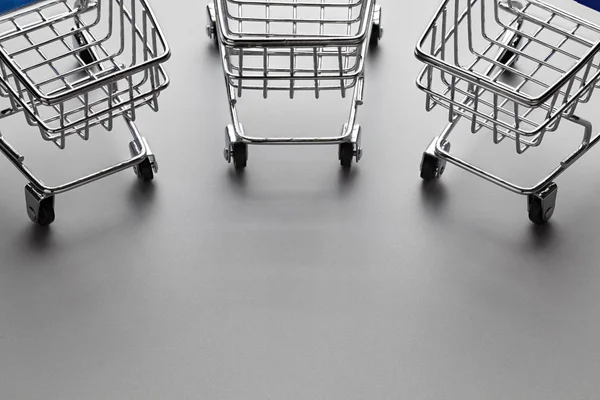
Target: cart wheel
(144, 170)
(376, 29)
(376, 34)
(429, 167)
(432, 167)
(40, 208)
(346, 154)
(541, 206)
(211, 24)
(46, 215)
(240, 155)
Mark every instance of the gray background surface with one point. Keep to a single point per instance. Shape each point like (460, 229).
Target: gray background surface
(296, 281)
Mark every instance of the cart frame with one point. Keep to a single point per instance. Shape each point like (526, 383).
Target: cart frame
(369, 33)
(559, 100)
(143, 79)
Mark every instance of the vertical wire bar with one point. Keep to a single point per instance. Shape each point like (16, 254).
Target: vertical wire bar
(475, 91)
(517, 125)
(265, 71)
(428, 97)
(452, 95)
(154, 75)
(241, 71)
(122, 23)
(109, 121)
(266, 50)
(495, 119)
(241, 51)
(316, 69)
(292, 52)
(86, 113)
(321, 33)
(341, 64)
(456, 14)
(133, 59)
(443, 41)
(347, 49)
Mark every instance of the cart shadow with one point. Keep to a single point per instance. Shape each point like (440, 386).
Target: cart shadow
(141, 197)
(347, 179)
(38, 239)
(35, 240)
(433, 195)
(237, 180)
(542, 237)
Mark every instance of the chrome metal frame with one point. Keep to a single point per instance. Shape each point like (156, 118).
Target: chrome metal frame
(507, 111)
(113, 67)
(451, 80)
(248, 44)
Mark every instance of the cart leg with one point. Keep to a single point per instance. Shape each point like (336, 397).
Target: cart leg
(433, 167)
(146, 169)
(541, 206)
(235, 150)
(377, 28)
(211, 22)
(40, 207)
(352, 149)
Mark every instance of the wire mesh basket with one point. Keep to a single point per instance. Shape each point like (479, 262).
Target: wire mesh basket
(74, 65)
(70, 65)
(292, 45)
(514, 67)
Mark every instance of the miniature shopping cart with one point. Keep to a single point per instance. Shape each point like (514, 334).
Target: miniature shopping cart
(515, 69)
(293, 46)
(72, 65)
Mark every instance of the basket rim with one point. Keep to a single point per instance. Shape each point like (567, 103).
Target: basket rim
(239, 40)
(49, 100)
(496, 87)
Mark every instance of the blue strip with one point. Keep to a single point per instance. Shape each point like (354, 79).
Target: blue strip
(593, 4)
(10, 5)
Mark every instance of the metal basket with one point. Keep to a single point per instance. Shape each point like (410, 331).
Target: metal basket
(514, 67)
(292, 45)
(71, 66)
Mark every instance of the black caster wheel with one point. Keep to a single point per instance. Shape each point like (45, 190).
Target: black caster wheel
(239, 155)
(145, 171)
(376, 29)
(433, 167)
(46, 215)
(376, 34)
(429, 167)
(541, 206)
(346, 154)
(40, 208)
(211, 24)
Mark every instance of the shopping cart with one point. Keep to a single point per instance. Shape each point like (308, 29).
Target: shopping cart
(293, 46)
(516, 69)
(71, 65)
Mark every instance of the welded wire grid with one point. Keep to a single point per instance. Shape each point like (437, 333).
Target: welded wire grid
(557, 59)
(43, 72)
(295, 68)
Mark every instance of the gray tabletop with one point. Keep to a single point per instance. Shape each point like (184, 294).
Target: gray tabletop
(294, 280)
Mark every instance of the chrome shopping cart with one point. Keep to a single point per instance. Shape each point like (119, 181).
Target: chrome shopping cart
(515, 69)
(293, 46)
(71, 65)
